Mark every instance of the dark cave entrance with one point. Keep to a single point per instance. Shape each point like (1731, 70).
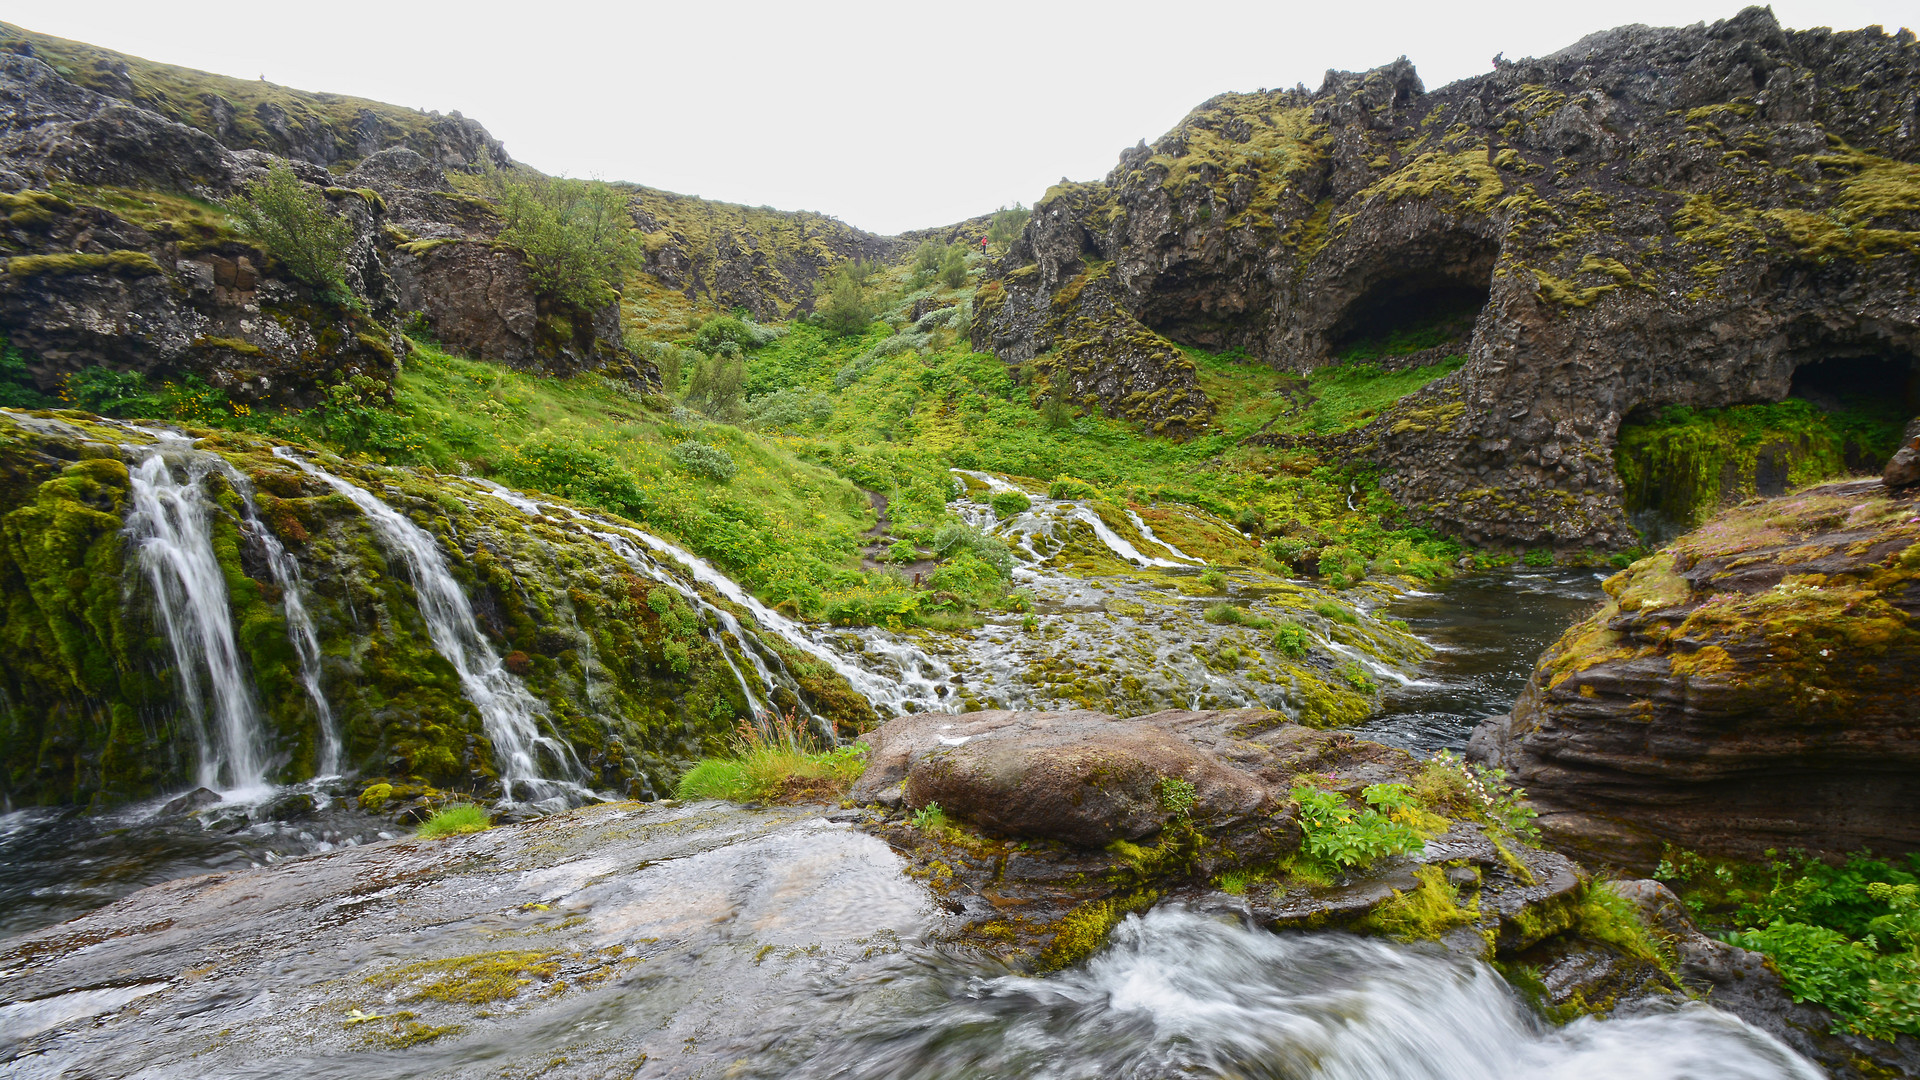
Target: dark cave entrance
(1426, 304)
(1414, 317)
(1842, 415)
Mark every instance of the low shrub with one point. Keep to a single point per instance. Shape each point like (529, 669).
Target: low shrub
(702, 460)
(1007, 504)
(1339, 835)
(777, 760)
(1290, 639)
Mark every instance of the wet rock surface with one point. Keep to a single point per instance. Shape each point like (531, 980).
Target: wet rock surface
(1649, 217)
(1748, 688)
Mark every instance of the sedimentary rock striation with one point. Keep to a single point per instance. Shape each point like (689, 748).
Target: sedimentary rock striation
(1748, 688)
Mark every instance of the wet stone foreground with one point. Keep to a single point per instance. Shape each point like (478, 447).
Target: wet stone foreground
(613, 938)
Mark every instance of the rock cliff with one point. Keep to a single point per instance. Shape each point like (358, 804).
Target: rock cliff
(1651, 217)
(1748, 688)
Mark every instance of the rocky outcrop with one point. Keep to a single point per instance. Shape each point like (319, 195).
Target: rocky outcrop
(1903, 470)
(250, 114)
(1064, 822)
(1649, 217)
(1749, 688)
(758, 258)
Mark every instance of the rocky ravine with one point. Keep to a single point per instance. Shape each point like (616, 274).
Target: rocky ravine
(1748, 688)
(1649, 217)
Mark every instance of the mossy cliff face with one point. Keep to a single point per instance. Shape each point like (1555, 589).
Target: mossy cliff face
(249, 114)
(1748, 688)
(1651, 217)
(631, 675)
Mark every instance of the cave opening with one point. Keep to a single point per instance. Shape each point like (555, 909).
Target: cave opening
(1842, 415)
(1426, 303)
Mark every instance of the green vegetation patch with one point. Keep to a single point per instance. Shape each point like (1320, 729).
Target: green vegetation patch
(452, 820)
(781, 763)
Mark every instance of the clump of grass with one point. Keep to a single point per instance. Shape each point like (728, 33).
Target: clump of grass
(1329, 609)
(777, 760)
(454, 820)
(1230, 615)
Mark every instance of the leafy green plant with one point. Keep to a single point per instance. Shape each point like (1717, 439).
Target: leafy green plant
(110, 393)
(16, 382)
(1358, 678)
(1234, 615)
(953, 267)
(1330, 610)
(930, 819)
(1538, 557)
(1340, 835)
(1290, 639)
(297, 227)
(1007, 223)
(841, 305)
(1176, 796)
(455, 819)
(703, 460)
(1450, 782)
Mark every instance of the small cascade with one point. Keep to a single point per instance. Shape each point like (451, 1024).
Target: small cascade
(170, 526)
(1147, 532)
(1045, 515)
(300, 630)
(909, 680)
(509, 713)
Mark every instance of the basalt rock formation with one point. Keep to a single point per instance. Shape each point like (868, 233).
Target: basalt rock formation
(1650, 217)
(1748, 688)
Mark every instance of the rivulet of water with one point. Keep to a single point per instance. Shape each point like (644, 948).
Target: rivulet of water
(170, 527)
(509, 713)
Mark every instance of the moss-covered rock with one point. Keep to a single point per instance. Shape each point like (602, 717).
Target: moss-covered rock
(1747, 688)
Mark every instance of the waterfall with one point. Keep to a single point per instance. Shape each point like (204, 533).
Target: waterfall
(1147, 533)
(914, 682)
(300, 632)
(171, 529)
(508, 712)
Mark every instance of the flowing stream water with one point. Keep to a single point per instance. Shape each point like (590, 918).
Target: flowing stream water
(510, 714)
(170, 525)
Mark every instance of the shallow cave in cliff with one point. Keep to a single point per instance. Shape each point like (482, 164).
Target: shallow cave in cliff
(1874, 383)
(1414, 311)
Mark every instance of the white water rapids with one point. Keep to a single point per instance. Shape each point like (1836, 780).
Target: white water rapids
(1177, 993)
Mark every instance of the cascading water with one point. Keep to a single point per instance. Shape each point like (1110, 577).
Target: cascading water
(1181, 994)
(170, 525)
(911, 680)
(508, 712)
(300, 629)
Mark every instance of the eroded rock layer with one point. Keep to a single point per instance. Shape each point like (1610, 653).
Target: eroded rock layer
(1749, 688)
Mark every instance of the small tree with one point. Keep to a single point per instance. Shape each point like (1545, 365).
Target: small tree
(1007, 223)
(296, 226)
(842, 306)
(929, 256)
(953, 267)
(717, 382)
(576, 234)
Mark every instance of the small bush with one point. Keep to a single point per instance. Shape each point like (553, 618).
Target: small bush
(296, 226)
(16, 383)
(953, 267)
(1229, 615)
(1338, 835)
(951, 540)
(1358, 678)
(455, 819)
(702, 460)
(1214, 580)
(1007, 224)
(1538, 557)
(777, 760)
(717, 382)
(1177, 796)
(1290, 639)
(1072, 487)
(1007, 504)
(1330, 610)
(110, 393)
(841, 304)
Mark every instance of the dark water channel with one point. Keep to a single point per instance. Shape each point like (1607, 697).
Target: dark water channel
(1487, 631)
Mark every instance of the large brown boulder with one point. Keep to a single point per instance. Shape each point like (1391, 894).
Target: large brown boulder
(1749, 687)
(1080, 777)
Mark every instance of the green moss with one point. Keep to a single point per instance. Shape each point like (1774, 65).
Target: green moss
(1083, 930)
(123, 263)
(480, 979)
(1422, 913)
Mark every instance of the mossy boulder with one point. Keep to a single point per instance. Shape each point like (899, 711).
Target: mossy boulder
(1748, 688)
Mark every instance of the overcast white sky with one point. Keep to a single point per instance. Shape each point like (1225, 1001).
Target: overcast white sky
(890, 116)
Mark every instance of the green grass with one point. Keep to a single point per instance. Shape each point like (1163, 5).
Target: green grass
(778, 765)
(455, 819)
